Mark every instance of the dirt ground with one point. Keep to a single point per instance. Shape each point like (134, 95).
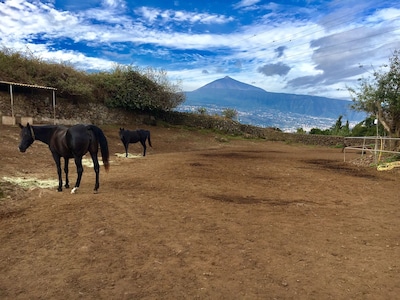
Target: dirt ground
(200, 217)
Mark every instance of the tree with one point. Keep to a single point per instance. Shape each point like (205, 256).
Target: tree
(230, 113)
(169, 95)
(320, 131)
(300, 130)
(134, 89)
(367, 127)
(339, 129)
(202, 110)
(380, 97)
(335, 129)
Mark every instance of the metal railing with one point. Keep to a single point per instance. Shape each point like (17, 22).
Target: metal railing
(372, 144)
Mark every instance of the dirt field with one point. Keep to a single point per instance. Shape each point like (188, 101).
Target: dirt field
(200, 218)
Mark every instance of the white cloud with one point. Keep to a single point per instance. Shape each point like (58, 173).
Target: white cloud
(389, 14)
(321, 54)
(151, 15)
(114, 4)
(245, 3)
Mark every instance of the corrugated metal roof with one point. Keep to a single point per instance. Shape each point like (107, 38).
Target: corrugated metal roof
(29, 85)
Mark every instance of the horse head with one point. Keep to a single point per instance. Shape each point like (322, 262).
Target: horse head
(27, 137)
(121, 131)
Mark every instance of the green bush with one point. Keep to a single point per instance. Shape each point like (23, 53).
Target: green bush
(230, 113)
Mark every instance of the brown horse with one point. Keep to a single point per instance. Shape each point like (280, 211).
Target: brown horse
(73, 142)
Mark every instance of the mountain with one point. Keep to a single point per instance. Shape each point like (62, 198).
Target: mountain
(249, 101)
(228, 83)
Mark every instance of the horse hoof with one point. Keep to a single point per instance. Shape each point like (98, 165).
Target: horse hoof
(74, 190)
(95, 192)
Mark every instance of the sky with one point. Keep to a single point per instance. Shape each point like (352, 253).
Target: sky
(318, 48)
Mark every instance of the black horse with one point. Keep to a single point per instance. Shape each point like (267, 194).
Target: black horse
(73, 142)
(134, 136)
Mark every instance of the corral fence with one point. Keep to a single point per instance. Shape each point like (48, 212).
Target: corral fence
(375, 145)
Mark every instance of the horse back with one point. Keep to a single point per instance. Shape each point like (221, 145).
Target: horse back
(143, 134)
(80, 139)
(134, 136)
(131, 136)
(58, 142)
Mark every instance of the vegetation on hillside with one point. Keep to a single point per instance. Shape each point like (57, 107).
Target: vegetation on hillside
(134, 89)
(367, 127)
(28, 69)
(126, 87)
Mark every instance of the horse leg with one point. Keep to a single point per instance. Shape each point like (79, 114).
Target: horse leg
(79, 170)
(96, 167)
(66, 161)
(57, 160)
(126, 145)
(144, 147)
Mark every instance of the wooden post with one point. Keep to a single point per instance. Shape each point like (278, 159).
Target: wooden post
(12, 101)
(54, 107)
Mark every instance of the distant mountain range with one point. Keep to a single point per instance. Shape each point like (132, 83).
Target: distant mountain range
(261, 108)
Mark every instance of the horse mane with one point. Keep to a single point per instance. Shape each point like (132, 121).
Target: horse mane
(44, 133)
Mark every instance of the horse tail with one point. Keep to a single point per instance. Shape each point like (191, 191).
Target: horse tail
(148, 138)
(105, 155)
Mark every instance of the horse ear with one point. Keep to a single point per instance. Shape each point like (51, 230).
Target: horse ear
(20, 125)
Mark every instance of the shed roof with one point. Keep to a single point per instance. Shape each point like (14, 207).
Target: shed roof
(29, 85)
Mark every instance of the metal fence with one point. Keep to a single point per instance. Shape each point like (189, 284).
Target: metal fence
(376, 145)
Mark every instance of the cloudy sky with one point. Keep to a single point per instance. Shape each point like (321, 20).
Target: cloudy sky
(294, 46)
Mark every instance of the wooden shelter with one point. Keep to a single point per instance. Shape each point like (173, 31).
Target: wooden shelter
(11, 84)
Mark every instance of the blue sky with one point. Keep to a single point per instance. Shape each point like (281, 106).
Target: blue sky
(302, 47)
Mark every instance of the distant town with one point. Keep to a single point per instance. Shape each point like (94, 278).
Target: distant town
(287, 122)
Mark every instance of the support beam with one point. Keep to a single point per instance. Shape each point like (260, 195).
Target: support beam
(12, 101)
(54, 107)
